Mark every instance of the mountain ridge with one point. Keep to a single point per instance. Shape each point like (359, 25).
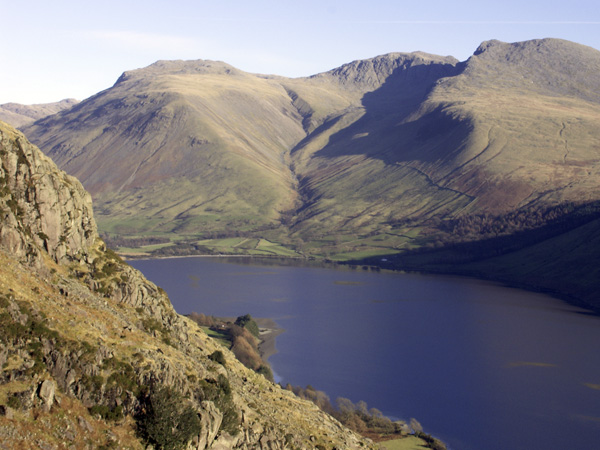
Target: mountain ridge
(19, 115)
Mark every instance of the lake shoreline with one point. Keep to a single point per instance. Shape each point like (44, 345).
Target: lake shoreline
(268, 332)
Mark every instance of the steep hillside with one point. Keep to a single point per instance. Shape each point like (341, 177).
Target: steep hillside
(181, 147)
(197, 147)
(19, 115)
(94, 356)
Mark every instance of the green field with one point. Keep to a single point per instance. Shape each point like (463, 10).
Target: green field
(407, 443)
(222, 338)
(249, 246)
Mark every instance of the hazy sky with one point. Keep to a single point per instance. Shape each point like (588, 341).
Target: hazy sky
(52, 50)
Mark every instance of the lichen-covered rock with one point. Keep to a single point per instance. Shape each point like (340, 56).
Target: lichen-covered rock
(46, 393)
(211, 419)
(41, 207)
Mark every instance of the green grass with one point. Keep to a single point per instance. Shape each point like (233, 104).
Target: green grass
(221, 338)
(250, 246)
(225, 243)
(145, 248)
(407, 443)
(361, 254)
(275, 248)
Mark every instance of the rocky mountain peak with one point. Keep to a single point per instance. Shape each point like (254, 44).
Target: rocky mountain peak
(370, 74)
(180, 67)
(549, 66)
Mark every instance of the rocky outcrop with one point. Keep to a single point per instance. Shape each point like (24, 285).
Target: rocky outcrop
(415, 69)
(42, 207)
(86, 340)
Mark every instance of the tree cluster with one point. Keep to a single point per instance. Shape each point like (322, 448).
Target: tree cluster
(369, 422)
(243, 335)
(561, 218)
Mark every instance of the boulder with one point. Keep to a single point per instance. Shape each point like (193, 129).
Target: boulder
(46, 393)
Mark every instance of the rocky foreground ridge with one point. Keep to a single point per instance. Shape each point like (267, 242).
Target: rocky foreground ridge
(89, 347)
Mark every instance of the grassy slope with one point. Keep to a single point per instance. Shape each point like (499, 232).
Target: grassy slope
(171, 139)
(89, 321)
(408, 443)
(352, 182)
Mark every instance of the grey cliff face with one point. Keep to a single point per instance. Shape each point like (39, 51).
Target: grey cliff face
(41, 205)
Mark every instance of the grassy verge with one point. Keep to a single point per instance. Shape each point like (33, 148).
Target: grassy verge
(222, 338)
(406, 443)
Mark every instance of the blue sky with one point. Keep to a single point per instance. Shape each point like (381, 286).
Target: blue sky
(60, 49)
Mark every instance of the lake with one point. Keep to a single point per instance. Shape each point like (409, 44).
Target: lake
(481, 366)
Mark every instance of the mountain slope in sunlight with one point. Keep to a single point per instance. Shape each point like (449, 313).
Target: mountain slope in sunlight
(371, 157)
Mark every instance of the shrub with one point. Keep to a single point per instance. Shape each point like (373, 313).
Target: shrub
(432, 442)
(218, 357)
(246, 353)
(151, 324)
(266, 371)
(109, 269)
(248, 323)
(14, 402)
(166, 420)
(202, 319)
(219, 392)
(122, 375)
(106, 412)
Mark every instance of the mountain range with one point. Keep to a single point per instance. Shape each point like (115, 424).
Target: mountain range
(19, 115)
(397, 154)
(93, 355)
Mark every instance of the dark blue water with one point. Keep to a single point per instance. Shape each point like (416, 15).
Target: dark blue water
(481, 366)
